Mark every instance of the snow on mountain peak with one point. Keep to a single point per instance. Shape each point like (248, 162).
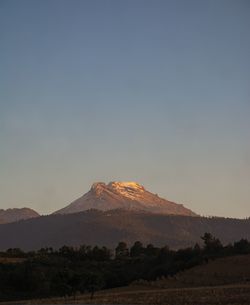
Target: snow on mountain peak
(128, 189)
(126, 195)
(98, 187)
(126, 185)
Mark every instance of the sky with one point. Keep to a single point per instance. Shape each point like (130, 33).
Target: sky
(156, 92)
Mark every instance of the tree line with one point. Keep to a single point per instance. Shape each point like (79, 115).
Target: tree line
(67, 271)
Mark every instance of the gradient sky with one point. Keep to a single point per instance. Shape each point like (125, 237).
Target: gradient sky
(156, 92)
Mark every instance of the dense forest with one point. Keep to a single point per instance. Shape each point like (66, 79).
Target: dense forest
(68, 271)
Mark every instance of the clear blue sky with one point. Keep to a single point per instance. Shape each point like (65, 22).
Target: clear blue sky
(152, 91)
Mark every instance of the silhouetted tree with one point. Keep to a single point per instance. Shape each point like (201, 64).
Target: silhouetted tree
(137, 249)
(211, 244)
(93, 282)
(151, 251)
(242, 246)
(64, 272)
(15, 252)
(121, 251)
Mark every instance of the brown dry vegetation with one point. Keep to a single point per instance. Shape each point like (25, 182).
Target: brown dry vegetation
(219, 295)
(11, 260)
(222, 271)
(233, 295)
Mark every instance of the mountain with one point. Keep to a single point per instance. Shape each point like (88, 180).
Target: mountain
(124, 195)
(107, 228)
(12, 215)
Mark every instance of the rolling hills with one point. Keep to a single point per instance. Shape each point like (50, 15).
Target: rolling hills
(12, 215)
(107, 228)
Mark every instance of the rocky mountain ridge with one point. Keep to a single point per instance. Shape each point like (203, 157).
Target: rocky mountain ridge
(124, 195)
(12, 215)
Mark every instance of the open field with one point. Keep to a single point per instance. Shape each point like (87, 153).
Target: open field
(219, 295)
(233, 295)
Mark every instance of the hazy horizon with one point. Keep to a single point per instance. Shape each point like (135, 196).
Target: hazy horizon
(156, 92)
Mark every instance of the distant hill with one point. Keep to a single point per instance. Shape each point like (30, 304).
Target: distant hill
(109, 227)
(221, 271)
(124, 195)
(12, 215)
(227, 270)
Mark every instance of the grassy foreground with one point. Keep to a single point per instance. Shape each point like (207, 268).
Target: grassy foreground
(238, 294)
(234, 295)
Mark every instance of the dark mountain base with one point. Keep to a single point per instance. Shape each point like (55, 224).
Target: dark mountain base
(108, 228)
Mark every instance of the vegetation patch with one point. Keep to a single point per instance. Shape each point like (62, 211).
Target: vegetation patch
(70, 272)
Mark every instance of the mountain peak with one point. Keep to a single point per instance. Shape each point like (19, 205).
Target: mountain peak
(129, 185)
(127, 195)
(97, 188)
(120, 187)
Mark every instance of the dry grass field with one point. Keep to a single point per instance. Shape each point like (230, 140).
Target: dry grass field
(233, 295)
(223, 271)
(11, 260)
(218, 295)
